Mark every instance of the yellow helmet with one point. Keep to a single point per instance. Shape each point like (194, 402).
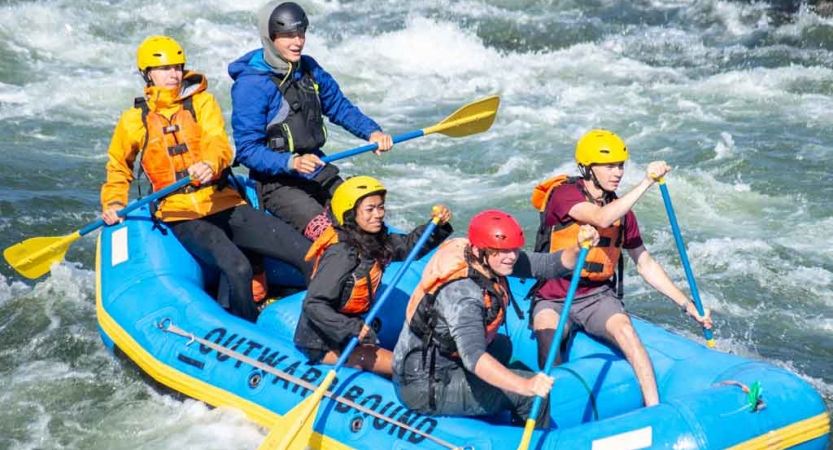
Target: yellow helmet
(600, 147)
(157, 51)
(351, 192)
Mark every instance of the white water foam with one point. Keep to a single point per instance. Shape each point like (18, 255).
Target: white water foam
(12, 289)
(663, 88)
(192, 424)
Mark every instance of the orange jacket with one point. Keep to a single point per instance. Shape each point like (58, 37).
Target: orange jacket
(364, 289)
(210, 145)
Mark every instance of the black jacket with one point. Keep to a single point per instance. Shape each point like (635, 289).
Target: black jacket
(321, 326)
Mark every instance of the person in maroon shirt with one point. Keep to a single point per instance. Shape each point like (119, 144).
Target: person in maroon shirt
(597, 308)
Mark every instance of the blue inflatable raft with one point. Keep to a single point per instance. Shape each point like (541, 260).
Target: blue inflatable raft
(154, 310)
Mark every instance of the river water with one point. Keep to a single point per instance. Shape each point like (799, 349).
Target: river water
(736, 96)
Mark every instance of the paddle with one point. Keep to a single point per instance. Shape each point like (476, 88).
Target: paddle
(476, 117)
(33, 257)
(695, 293)
(294, 429)
(556, 343)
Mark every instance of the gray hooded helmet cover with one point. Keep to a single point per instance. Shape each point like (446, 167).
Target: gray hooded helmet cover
(279, 17)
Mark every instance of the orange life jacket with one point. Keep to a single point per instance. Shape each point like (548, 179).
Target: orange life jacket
(449, 264)
(171, 145)
(364, 287)
(602, 259)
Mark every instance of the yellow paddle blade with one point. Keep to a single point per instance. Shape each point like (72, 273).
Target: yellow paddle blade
(527, 436)
(294, 430)
(33, 257)
(473, 118)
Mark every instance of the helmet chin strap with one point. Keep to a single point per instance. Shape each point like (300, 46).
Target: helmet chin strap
(588, 174)
(596, 182)
(480, 259)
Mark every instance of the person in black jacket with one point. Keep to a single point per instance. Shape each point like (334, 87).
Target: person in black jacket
(349, 259)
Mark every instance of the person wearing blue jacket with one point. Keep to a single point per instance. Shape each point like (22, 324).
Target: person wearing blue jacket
(279, 100)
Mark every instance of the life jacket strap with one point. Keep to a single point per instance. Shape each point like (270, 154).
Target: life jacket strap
(432, 380)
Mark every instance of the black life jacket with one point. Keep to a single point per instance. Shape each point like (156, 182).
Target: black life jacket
(424, 321)
(303, 130)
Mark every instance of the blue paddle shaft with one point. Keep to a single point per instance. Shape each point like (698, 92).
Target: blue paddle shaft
(370, 147)
(562, 323)
(138, 204)
(429, 230)
(675, 228)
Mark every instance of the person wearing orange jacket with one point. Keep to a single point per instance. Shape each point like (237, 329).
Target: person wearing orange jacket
(174, 130)
(350, 257)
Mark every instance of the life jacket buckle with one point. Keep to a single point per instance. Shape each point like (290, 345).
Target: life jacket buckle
(171, 129)
(594, 267)
(190, 189)
(177, 149)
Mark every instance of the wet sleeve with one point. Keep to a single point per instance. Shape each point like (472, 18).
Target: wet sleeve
(324, 295)
(461, 305)
(250, 98)
(404, 243)
(121, 155)
(540, 265)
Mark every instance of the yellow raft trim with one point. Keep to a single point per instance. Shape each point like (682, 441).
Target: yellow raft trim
(789, 436)
(186, 384)
(782, 438)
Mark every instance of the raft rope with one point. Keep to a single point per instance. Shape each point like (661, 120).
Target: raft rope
(171, 328)
(590, 395)
(753, 394)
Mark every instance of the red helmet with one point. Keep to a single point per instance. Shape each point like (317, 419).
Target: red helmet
(495, 229)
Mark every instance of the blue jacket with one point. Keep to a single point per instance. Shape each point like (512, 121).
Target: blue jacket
(255, 100)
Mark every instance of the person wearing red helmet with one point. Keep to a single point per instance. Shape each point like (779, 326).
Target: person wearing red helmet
(450, 358)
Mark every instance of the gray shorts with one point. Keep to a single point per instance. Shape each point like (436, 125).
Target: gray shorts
(590, 312)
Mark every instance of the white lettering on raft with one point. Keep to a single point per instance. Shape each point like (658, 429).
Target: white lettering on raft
(632, 440)
(118, 246)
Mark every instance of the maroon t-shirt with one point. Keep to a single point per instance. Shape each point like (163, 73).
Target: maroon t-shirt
(563, 198)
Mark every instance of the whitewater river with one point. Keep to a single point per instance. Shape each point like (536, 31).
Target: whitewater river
(736, 96)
